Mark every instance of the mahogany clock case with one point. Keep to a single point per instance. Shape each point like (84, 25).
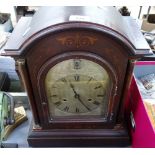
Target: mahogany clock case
(45, 46)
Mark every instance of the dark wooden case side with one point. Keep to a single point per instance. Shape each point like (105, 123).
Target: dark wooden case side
(121, 113)
(24, 76)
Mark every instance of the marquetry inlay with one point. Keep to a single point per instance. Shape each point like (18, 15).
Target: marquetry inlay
(78, 40)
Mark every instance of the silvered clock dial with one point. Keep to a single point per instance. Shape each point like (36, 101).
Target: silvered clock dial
(77, 87)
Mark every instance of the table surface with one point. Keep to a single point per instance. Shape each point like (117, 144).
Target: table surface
(19, 134)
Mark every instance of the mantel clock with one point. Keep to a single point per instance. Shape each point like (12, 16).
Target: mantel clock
(76, 65)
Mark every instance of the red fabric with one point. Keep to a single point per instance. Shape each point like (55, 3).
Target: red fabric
(144, 135)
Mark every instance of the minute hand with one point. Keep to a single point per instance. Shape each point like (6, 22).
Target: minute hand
(78, 97)
(83, 103)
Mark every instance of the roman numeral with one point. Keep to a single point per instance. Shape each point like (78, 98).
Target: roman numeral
(100, 95)
(57, 103)
(66, 108)
(77, 110)
(90, 79)
(98, 87)
(53, 95)
(96, 103)
(77, 78)
(64, 80)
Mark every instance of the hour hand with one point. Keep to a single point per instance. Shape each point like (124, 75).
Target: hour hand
(72, 86)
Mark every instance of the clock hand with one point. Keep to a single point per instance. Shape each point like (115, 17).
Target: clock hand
(78, 97)
(76, 94)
